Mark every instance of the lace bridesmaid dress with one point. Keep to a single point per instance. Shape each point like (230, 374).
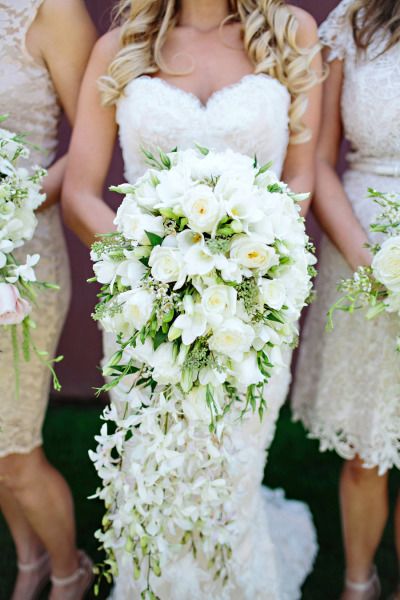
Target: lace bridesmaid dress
(28, 96)
(347, 389)
(275, 546)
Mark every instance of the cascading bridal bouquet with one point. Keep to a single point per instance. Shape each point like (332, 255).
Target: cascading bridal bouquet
(20, 196)
(376, 289)
(202, 285)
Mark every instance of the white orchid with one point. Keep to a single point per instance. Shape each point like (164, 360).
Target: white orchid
(202, 310)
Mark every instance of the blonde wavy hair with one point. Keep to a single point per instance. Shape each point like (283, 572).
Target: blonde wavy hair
(269, 38)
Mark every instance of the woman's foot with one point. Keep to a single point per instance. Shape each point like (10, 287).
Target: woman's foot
(367, 590)
(396, 594)
(77, 584)
(32, 578)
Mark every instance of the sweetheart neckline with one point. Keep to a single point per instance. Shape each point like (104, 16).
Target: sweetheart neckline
(216, 94)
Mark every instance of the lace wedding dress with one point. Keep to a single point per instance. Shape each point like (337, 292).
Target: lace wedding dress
(28, 97)
(347, 387)
(275, 546)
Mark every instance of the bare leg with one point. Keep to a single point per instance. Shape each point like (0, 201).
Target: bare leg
(28, 546)
(364, 503)
(44, 498)
(397, 539)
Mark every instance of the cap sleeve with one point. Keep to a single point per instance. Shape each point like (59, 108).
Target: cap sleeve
(336, 31)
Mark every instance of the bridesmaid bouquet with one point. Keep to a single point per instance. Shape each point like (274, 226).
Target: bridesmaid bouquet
(376, 288)
(20, 196)
(202, 285)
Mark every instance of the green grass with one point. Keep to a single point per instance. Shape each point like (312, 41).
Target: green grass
(294, 464)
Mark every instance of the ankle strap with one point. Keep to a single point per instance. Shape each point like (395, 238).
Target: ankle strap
(65, 581)
(33, 566)
(362, 586)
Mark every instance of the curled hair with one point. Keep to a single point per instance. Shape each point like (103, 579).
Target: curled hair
(370, 17)
(269, 37)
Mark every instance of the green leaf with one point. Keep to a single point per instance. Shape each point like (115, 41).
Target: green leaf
(204, 151)
(159, 339)
(265, 168)
(154, 239)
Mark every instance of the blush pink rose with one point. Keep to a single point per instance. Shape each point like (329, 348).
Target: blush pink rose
(13, 308)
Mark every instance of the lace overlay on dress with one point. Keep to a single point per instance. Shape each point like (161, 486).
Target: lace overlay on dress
(347, 387)
(28, 96)
(276, 542)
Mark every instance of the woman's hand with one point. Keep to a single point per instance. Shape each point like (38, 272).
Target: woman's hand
(91, 150)
(331, 206)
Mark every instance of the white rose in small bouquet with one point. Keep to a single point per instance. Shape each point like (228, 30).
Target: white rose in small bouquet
(386, 264)
(376, 289)
(20, 196)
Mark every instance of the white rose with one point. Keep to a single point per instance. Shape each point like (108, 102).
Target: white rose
(146, 190)
(133, 222)
(246, 371)
(267, 178)
(273, 293)
(232, 338)
(167, 265)
(166, 370)
(253, 254)
(219, 302)
(137, 307)
(386, 264)
(202, 209)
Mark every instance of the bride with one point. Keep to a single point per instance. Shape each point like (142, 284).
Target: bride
(239, 74)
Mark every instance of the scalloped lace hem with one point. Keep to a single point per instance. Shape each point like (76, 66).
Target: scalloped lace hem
(349, 446)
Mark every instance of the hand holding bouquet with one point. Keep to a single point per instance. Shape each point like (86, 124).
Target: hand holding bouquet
(376, 288)
(20, 196)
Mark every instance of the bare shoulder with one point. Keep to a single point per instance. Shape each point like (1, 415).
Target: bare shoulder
(107, 46)
(307, 33)
(58, 10)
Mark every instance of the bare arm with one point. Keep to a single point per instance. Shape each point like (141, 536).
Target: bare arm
(299, 168)
(62, 37)
(91, 150)
(331, 205)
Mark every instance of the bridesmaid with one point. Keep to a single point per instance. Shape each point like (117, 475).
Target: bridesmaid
(347, 391)
(44, 48)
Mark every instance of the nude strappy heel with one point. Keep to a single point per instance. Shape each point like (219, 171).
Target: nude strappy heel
(35, 566)
(83, 576)
(370, 589)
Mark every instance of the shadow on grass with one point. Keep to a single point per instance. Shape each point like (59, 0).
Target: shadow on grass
(294, 464)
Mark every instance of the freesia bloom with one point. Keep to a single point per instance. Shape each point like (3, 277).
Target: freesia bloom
(193, 322)
(13, 308)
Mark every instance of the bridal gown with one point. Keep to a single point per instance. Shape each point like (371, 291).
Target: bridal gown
(29, 98)
(276, 547)
(347, 390)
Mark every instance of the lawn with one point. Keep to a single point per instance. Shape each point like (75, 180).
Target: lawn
(294, 464)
